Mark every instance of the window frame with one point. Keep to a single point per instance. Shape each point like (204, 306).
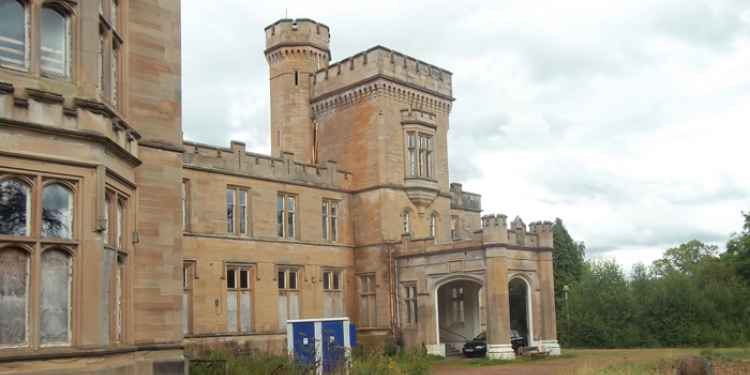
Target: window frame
(406, 227)
(114, 199)
(238, 268)
(369, 297)
(419, 152)
(330, 219)
(67, 16)
(238, 217)
(185, 205)
(25, 67)
(411, 303)
(283, 212)
(330, 276)
(28, 183)
(35, 245)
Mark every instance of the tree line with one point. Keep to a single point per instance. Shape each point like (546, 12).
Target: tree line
(695, 295)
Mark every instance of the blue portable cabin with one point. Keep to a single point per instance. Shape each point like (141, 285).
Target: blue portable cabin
(324, 343)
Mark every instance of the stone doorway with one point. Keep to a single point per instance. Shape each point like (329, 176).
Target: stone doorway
(519, 295)
(459, 318)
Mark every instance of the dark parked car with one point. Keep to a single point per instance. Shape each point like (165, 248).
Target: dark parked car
(477, 347)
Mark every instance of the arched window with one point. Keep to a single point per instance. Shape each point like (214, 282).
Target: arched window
(57, 211)
(54, 328)
(54, 42)
(14, 297)
(13, 34)
(15, 208)
(407, 223)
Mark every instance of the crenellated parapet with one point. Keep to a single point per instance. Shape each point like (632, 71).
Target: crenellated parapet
(380, 70)
(296, 35)
(495, 229)
(464, 200)
(236, 160)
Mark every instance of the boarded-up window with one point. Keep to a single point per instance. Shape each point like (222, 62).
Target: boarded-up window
(410, 300)
(333, 300)
(288, 302)
(15, 206)
(14, 297)
(57, 211)
(119, 327)
(367, 301)
(54, 322)
(239, 298)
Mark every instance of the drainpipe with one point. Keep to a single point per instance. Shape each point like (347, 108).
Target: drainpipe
(392, 292)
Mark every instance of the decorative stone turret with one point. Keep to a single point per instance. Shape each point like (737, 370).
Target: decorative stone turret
(495, 229)
(295, 50)
(543, 231)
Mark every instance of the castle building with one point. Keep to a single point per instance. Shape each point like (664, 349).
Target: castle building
(120, 242)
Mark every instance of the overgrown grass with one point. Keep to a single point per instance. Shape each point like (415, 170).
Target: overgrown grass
(237, 360)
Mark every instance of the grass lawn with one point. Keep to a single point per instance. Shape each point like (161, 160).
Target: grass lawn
(601, 361)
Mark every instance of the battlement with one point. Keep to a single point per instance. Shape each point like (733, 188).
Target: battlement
(236, 160)
(301, 32)
(464, 200)
(381, 62)
(495, 230)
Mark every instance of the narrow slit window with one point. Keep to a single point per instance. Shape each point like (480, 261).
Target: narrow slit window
(230, 210)
(296, 78)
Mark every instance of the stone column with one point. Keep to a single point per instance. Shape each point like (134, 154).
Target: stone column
(547, 286)
(498, 313)
(427, 323)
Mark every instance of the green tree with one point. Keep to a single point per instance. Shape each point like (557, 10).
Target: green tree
(687, 258)
(568, 260)
(738, 250)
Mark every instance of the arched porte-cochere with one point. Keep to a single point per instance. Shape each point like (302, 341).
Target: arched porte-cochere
(459, 315)
(520, 308)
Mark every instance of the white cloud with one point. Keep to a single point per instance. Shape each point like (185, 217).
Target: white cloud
(629, 120)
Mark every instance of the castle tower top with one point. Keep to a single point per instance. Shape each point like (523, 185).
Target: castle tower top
(301, 32)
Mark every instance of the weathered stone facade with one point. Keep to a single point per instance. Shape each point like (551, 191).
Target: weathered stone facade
(174, 243)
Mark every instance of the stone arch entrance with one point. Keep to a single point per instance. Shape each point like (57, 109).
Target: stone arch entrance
(520, 308)
(458, 316)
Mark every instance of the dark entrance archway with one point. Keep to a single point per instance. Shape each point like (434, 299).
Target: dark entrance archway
(458, 313)
(520, 309)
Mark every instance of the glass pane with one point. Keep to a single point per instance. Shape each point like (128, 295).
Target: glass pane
(334, 229)
(290, 225)
(280, 280)
(120, 224)
(54, 41)
(292, 279)
(12, 33)
(326, 280)
(244, 280)
(14, 283)
(336, 285)
(325, 220)
(231, 282)
(290, 204)
(15, 203)
(280, 216)
(55, 300)
(230, 211)
(57, 215)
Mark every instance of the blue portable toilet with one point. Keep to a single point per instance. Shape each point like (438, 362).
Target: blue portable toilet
(324, 343)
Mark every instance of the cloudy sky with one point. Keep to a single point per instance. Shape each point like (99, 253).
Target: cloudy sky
(628, 119)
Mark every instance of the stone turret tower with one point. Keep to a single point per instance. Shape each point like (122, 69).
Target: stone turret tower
(295, 50)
